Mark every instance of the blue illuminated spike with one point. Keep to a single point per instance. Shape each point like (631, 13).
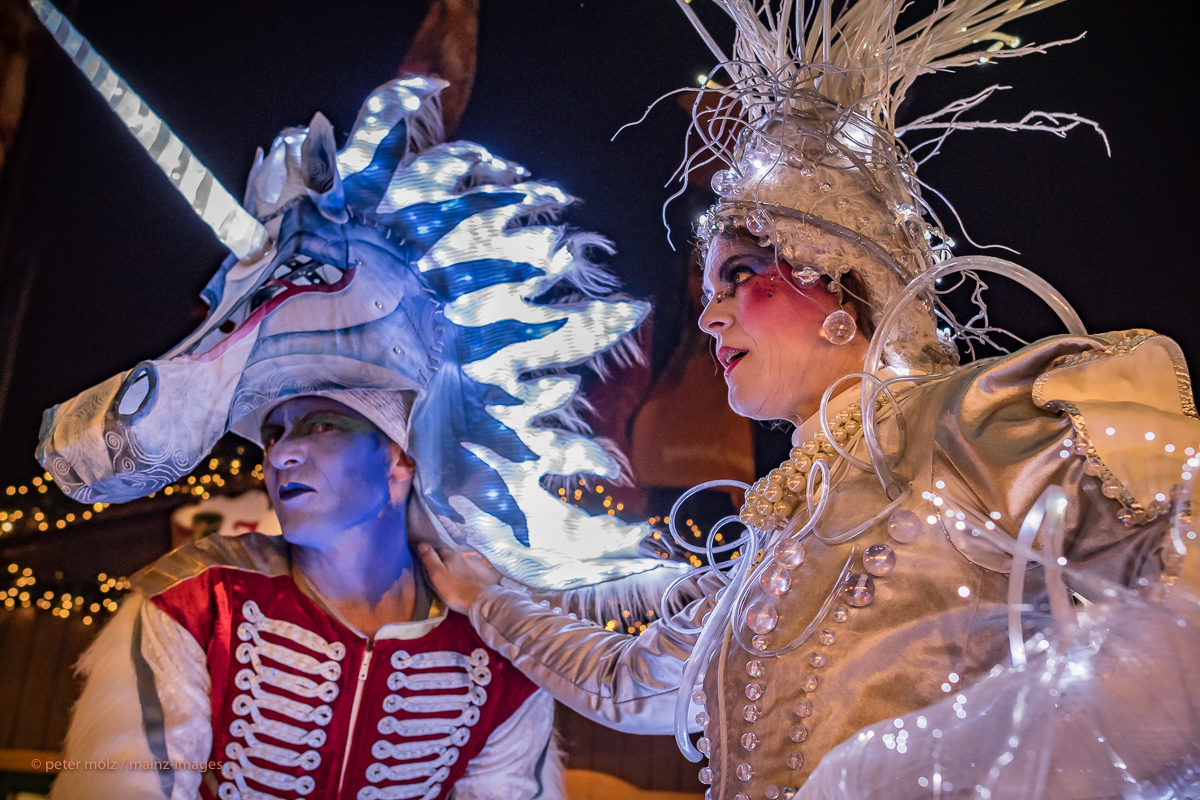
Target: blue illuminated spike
(365, 188)
(476, 344)
(423, 224)
(485, 486)
(456, 280)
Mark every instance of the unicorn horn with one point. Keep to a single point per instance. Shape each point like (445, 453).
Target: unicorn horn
(235, 226)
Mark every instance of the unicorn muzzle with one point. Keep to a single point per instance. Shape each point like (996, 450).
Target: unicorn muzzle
(139, 430)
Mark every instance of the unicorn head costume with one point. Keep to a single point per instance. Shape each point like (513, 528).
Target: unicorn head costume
(403, 276)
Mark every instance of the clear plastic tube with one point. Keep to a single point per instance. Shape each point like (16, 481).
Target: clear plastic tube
(842, 538)
(880, 460)
(925, 283)
(830, 598)
(926, 280)
(664, 605)
(1048, 510)
(710, 540)
(710, 635)
(823, 417)
(691, 548)
(707, 550)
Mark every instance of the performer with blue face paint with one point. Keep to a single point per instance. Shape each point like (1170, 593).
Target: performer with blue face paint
(245, 645)
(393, 326)
(340, 489)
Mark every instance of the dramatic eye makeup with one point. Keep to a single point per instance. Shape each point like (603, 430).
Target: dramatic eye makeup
(271, 434)
(735, 274)
(330, 422)
(316, 423)
(737, 269)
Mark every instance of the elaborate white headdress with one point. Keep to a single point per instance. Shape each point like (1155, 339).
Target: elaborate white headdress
(807, 126)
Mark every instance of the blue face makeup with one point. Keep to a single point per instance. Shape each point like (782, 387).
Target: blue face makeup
(327, 468)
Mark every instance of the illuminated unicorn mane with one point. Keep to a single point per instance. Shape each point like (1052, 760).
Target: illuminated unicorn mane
(518, 302)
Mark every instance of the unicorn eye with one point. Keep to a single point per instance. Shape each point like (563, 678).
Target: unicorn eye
(302, 270)
(299, 270)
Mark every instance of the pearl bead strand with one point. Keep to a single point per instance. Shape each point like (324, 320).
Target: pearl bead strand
(772, 500)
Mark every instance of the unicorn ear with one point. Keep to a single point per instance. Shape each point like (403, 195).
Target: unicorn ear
(319, 155)
(318, 165)
(400, 119)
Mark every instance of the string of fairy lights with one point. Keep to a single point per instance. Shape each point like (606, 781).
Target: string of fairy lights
(40, 506)
(23, 594)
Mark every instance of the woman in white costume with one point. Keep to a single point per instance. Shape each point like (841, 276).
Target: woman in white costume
(884, 637)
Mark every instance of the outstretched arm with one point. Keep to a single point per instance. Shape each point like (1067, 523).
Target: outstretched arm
(625, 682)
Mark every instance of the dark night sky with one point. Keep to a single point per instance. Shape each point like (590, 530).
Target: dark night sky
(122, 258)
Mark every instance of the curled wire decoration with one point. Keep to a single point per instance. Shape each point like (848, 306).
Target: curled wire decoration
(926, 281)
(815, 509)
(827, 429)
(712, 566)
(1181, 511)
(1084, 581)
(1048, 513)
(858, 530)
(710, 540)
(881, 461)
(1182, 521)
(665, 607)
(977, 329)
(817, 496)
(711, 632)
(881, 387)
(683, 498)
(709, 550)
(739, 631)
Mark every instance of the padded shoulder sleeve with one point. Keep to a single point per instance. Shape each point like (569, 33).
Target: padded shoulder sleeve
(1131, 406)
(145, 700)
(252, 551)
(1010, 427)
(520, 760)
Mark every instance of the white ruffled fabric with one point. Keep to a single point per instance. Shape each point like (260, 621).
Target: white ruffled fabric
(1108, 708)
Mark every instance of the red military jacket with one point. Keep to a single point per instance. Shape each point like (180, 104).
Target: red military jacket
(304, 706)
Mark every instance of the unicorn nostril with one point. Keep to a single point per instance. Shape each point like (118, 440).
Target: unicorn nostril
(138, 391)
